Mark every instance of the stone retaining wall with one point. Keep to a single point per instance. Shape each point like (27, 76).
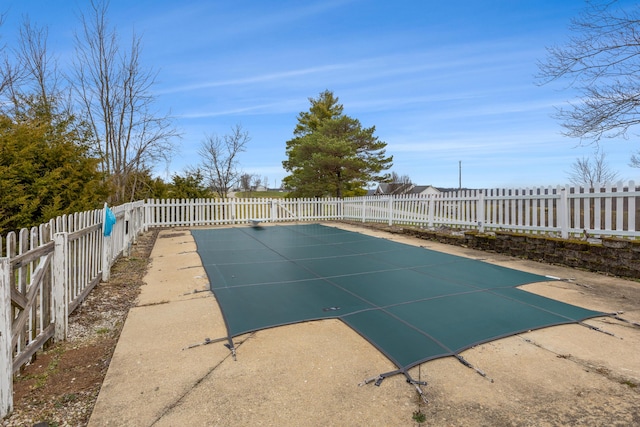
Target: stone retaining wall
(618, 257)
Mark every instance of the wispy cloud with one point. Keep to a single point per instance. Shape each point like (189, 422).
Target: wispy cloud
(269, 108)
(219, 23)
(278, 17)
(477, 143)
(439, 65)
(258, 79)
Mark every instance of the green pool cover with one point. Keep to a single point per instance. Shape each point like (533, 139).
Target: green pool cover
(412, 303)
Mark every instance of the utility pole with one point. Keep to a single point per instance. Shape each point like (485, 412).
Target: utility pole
(459, 174)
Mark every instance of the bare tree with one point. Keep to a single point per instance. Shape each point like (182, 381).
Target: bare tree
(590, 173)
(602, 61)
(29, 75)
(256, 182)
(5, 79)
(8, 77)
(245, 181)
(400, 179)
(40, 69)
(115, 92)
(219, 159)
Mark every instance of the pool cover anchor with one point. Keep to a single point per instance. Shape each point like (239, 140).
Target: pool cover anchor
(466, 363)
(232, 349)
(595, 328)
(417, 385)
(206, 341)
(379, 378)
(617, 317)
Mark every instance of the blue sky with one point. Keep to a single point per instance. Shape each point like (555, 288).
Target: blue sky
(443, 82)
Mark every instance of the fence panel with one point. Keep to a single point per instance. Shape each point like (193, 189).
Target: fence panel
(84, 257)
(606, 210)
(30, 272)
(603, 211)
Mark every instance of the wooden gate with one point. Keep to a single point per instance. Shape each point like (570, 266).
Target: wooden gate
(30, 270)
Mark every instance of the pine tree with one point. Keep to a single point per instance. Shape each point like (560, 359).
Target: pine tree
(332, 154)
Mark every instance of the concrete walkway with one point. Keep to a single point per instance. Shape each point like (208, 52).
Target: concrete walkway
(151, 370)
(308, 374)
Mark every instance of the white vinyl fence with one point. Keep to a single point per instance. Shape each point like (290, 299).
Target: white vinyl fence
(605, 211)
(565, 211)
(187, 213)
(47, 271)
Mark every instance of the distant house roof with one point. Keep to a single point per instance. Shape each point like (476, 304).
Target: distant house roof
(448, 190)
(417, 189)
(425, 189)
(394, 188)
(399, 189)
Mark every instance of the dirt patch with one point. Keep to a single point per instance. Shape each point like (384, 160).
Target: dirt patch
(172, 235)
(61, 385)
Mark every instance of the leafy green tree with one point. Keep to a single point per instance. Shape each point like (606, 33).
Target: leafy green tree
(142, 185)
(46, 169)
(149, 187)
(189, 186)
(332, 154)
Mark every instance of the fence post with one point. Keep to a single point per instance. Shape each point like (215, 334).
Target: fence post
(563, 214)
(126, 230)
(232, 206)
(431, 210)
(191, 208)
(145, 216)
(631, 208)
(390, 213)
(59, 291)
(6, 353)
(106, 258)
(274, 211)
(106, 249)
(480, 212)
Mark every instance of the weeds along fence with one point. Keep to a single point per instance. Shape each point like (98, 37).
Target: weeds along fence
(46, 272)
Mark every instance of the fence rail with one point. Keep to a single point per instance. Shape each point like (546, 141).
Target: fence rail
(47, 271)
